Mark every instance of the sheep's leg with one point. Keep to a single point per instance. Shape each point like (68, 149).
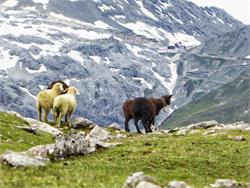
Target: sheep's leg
(39, 110)
(45, 119)
(59, 119)
(68, 119)
(136, 125)
(126, 124)
(144, 123)
(55, 114)
(69, 116)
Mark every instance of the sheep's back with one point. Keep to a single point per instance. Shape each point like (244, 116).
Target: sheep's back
(64, 102)
(45, 99)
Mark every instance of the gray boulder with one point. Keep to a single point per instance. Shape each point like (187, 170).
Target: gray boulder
(223, 183)
(22, 159)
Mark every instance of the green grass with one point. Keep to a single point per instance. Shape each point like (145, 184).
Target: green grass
(16, 139)
(199, 160)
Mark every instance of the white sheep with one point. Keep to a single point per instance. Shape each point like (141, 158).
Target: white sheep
(45, 100)
(65, 105)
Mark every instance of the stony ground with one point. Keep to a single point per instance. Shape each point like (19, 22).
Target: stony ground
(198, 156)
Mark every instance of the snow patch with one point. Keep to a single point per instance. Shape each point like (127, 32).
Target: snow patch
(220, 20)
(119, 17)
(9, 3)
(67, 81)
(43, 2)
(145, 11)
(102, 25)
(42, 68)
(76, 56)
(166, 5)
(114, 70)
(104, 7)
(97, 59)
(176, 19)
(143, 81)
(134, 49)
(143, 29)
(27, 91)
(174, 76)
(42, 87)
(6, 60)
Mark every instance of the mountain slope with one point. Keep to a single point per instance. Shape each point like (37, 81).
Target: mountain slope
(227, 104)
(230, 44)
(215, 62)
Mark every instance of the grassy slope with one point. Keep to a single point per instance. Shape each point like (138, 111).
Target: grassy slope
(196, 159)
(18, 139)
(226, 104)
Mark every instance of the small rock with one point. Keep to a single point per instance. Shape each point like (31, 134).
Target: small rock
(182, 132)
(157, 132)
(173, 130)
(33, 130)
(22, 159)
(178, 184)
(223, 183)
(81, 123)
(212, 131)
(144, 184)
(204, 125)
(114, 126)
(165, 131)
(134, 180)
(219, 133)
(237, 138)
(195, 131)
(121, 136)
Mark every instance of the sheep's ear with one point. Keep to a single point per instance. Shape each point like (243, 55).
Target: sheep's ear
(61, 87)
(66, 90)
(77, 92)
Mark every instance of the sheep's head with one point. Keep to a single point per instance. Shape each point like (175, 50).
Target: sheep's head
(58, 87)
(72, 90)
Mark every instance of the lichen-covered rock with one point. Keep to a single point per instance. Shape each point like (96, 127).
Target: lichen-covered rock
(81, 122)
(22, 159)
(134, 180)
(74, 143)
(224, 183)
(177, 184)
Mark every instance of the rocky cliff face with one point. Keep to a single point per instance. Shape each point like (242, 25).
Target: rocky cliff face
(110, 50)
